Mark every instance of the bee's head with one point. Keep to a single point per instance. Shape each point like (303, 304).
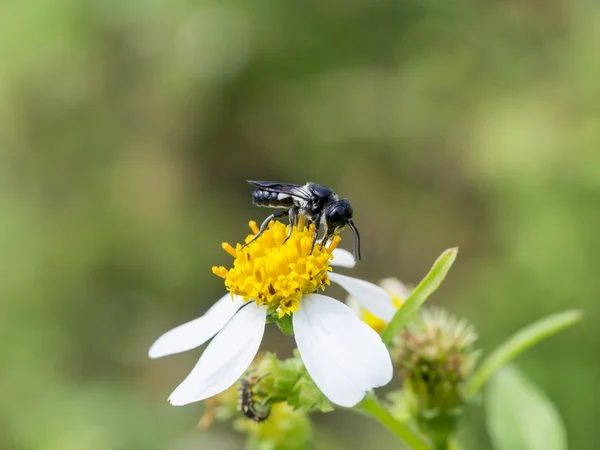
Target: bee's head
(337, 216)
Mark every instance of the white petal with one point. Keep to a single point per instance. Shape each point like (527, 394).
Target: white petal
(343, 355)
(370, 296)
(342, 258)
(197, 332)
(226, 358)
(395, 287)
(355, 306)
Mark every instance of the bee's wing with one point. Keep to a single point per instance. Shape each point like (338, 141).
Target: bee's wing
(295, 190)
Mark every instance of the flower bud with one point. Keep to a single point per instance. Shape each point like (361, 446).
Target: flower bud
(433, 356)
(285, 429)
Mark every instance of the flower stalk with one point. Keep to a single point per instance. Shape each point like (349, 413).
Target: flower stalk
(371, 407)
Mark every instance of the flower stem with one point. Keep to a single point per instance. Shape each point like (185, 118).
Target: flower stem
(371, 406)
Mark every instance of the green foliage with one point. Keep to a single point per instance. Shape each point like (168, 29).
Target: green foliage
(434, 357)
(518, 343)
(288, 381)
(426, 287)
(284, 430)
(520, 416)
(285, 324)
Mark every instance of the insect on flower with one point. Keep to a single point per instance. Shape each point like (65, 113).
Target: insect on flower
(342, 354)
(250, 407)
(318, 204)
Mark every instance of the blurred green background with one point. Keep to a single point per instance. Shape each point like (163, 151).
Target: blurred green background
(128, 129)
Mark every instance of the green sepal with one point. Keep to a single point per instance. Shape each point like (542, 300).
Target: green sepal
(288, 381)
(305, 396)
(285, 324)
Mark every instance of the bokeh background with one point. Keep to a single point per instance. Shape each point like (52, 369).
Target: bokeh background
(128, 129)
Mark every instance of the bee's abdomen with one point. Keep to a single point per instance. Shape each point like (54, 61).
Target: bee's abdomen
(272, 199)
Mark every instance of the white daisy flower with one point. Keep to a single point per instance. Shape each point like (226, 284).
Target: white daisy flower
(343, 355)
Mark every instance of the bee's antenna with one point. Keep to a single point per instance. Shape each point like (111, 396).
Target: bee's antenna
(356, 240)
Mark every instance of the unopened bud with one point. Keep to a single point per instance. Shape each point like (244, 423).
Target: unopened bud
(434, 355)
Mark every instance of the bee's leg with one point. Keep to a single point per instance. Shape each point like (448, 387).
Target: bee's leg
(325, 238)
(293, 212)
(327, 234)
(265, 224)
(316, 233)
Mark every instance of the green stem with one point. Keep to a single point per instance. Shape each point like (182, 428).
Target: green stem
(372, 407)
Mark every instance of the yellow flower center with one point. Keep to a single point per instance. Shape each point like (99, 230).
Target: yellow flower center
(271, 272)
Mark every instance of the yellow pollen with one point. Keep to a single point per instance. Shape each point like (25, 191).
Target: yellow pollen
(229, 249)
(253, 227)
(271, 272)
(288, 306)
(220, 271)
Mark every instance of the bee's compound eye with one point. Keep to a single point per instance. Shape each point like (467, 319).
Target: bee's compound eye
(339, 213)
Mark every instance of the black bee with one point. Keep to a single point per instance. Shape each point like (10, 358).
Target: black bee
(318, 204)
(249, 407)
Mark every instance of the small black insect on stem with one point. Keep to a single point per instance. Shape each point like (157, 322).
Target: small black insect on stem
(249, 404)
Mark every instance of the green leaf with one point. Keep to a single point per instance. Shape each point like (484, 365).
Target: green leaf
(518, 343)
(285, 324)
(520, 416)
(426, 287)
